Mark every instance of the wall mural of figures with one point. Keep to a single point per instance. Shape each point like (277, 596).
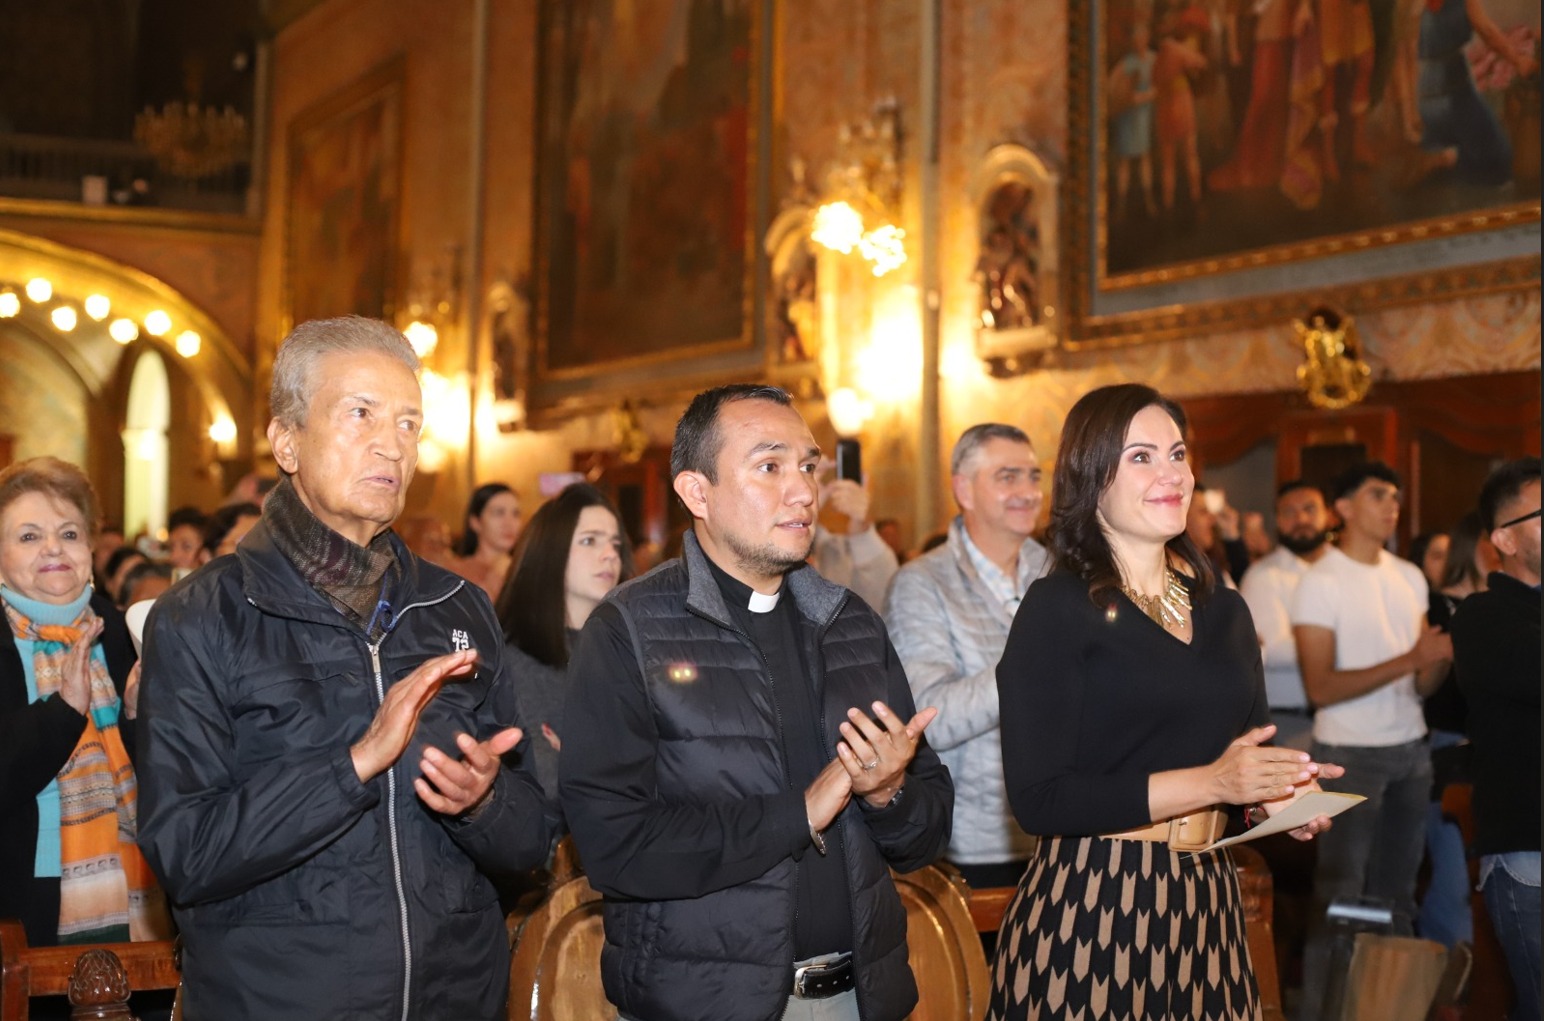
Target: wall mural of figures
(1234, 159)
(1234, 125)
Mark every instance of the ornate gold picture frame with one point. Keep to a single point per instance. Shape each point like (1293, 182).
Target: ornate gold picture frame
(1224, 168)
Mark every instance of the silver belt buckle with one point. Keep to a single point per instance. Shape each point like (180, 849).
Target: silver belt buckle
(798, 979)
(818, 966)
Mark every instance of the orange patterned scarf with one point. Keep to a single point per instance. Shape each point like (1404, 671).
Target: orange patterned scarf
(106, 890)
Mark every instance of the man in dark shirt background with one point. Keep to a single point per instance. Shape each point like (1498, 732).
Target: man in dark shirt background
(743, 763)
(1496, 653)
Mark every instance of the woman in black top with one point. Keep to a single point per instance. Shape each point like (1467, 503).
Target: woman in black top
(1132, 696)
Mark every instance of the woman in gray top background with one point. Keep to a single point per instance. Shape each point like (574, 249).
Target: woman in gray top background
(571, 553)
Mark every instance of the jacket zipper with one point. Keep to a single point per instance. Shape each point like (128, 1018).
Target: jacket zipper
(391, 803)
(396, 850)
(852, 907)
(391, 813)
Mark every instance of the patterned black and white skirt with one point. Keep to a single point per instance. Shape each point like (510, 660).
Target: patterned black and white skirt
(1123, 929)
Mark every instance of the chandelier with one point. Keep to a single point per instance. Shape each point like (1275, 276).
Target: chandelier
(192, 141)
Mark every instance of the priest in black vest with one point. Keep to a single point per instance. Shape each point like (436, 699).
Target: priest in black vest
(742, 763)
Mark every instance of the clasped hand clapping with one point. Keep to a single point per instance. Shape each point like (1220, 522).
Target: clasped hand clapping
(1252, 773)
(449, 786)
(870, 762)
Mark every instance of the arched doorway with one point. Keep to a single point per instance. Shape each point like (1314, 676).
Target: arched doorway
(145, 461)
(100, 324)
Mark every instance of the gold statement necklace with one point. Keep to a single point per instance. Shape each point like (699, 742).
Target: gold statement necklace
(1170, 608)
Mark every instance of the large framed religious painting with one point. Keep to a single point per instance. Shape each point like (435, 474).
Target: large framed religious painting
(341, 217)
(650, 194)
(1232, 157)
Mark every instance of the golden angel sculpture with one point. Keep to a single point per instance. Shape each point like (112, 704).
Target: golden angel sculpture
(1333, 373)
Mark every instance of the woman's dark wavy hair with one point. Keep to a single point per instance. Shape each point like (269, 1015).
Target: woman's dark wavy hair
(1092, 440)
(1463, 543)
(466, 545)
(531, 607)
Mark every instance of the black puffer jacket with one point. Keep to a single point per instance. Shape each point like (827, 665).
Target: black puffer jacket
(683, 944)
(300, 892)
(36, 740)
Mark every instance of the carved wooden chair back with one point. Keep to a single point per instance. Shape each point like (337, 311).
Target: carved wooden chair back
(97, 977)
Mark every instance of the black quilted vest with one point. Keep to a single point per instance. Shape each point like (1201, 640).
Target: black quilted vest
(728, 955)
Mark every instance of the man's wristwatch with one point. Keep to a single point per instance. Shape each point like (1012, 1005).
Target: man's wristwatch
(817, 838)
(895, 799)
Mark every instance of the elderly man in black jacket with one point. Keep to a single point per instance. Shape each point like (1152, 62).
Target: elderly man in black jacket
(728, 790)
(321, 789)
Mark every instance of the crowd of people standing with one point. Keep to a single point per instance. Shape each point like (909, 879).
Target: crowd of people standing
(329, 750)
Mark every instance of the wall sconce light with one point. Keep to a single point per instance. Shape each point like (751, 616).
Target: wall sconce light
(222, 433)
(434, 302)
(423, 337)
(862, 192)
(447, 410)
(848, 411)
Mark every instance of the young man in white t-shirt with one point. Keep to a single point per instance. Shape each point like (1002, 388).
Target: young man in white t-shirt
(1368, 658)
(1302, 526)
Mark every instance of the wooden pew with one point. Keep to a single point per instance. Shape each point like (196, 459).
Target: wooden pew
(554, 973)
(97, 977)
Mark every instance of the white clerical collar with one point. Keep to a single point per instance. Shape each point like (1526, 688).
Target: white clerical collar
(764, 604)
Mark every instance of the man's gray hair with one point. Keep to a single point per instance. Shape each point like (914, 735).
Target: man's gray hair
(294, 376)
(974, 438)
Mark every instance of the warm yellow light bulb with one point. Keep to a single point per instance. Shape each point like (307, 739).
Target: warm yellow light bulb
(10, 304)
(98, 306)
(64, 318)
(423, 337)
(837, 226)
(124, 331)
(223, 430)
(39, 290)
(884, 247)
(157, 323)
(189, 343)
(847, 411)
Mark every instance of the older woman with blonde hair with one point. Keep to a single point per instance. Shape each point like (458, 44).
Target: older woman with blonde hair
(69, 867)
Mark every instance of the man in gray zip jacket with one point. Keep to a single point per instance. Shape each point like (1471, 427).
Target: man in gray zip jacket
(949, 612)
(323, 815)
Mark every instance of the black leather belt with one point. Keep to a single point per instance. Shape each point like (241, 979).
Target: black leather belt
(823, 978)
(1293, 710)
